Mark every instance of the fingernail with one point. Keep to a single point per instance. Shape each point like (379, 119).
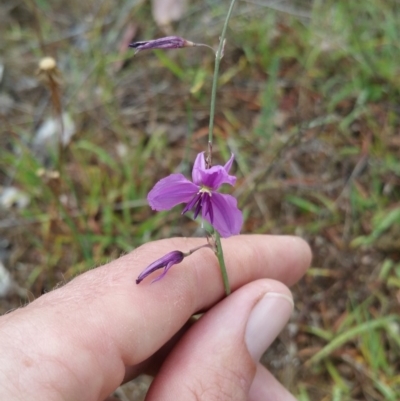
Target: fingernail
(267, 319)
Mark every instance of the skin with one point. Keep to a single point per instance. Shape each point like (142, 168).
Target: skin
(81, 341)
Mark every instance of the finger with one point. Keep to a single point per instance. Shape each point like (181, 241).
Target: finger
(109, 323)
(273, 264)
(113, 301)
(163, 307)
(266, 388)
(218, 357)
(151, 366)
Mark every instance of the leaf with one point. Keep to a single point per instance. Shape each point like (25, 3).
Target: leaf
(350, 334)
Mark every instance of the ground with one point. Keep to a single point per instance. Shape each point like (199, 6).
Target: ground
(308, 101)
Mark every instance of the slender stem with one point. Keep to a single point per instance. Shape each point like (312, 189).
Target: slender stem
(196, 249)
(222, 266)
(218, 56)
(203, 45)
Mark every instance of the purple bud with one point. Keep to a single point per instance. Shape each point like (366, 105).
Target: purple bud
(169, 42)
(167, 261)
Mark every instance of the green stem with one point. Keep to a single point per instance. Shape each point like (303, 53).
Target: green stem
(218, 57)
(222, 266)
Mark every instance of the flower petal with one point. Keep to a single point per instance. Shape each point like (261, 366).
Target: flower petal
(170, 191)
(207, 207)
(227, 218)
(169, 265)
(171, 258)
(168, 42)
(215, 176)
(199, 165)
(229, 163)
(189, 206)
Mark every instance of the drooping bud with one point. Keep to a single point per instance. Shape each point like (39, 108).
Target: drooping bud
(168, 42)
(167, 261)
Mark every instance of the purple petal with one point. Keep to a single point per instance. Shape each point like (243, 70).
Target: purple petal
(169, 265)
(199, 165)
(227, 218)
(195, 200)
(168, 42)
(198, 208)
(207, 207)
(215, 176)
(170, 191)
(229, 163)
(171, 258)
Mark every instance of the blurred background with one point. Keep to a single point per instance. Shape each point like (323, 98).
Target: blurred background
(308, 101)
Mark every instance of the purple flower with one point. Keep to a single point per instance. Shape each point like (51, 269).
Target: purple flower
(169, 42)
(168, 260)
(220, 210)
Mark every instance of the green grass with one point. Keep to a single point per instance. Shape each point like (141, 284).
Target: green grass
(308, 104)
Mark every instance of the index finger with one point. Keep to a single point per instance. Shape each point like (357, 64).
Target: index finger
(116, 323)
(155, 312)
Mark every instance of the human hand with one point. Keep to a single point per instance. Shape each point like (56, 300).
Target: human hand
(81, 341)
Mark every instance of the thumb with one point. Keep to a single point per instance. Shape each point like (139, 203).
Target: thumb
(217, 359)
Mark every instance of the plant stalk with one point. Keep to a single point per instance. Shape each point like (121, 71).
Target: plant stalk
(218, 56)
(221, 261)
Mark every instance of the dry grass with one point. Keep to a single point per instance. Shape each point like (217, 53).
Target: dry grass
(309, 102)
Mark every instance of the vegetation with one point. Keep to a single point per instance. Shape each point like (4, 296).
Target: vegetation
(309, 103)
